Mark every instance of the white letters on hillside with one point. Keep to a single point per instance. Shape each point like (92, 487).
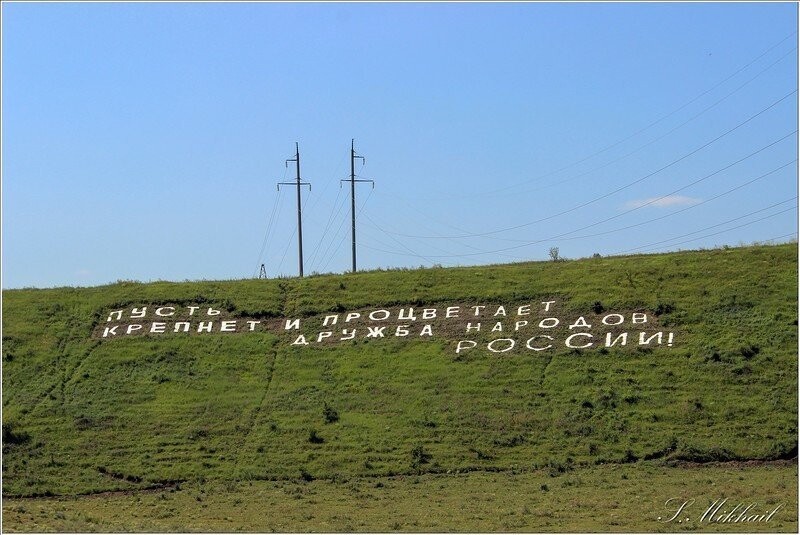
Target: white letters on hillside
(493, 328)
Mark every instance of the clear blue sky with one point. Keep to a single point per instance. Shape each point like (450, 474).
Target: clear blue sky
(144, 141)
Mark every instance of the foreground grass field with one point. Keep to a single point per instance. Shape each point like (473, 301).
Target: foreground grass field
(219, 423)
(599, 498)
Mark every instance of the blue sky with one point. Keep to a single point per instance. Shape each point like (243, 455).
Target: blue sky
(145, 141)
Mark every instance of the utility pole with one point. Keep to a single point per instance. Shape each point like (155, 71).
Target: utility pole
(299, 211)
(353, 180)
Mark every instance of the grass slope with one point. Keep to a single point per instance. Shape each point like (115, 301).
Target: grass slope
(82, 416)
(611, 497)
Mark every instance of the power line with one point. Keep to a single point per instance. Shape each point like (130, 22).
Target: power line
(316, 201)
(780, 237)
(446, 224)
(650, 245)
(434, 247)
(267, 233)
(695, 182)
(660, 242)
(334, 213)
(561, 236)
(327, 254)
(619, 229)
(659, 138)
(621, 188)
(286, 249)
(676, 110)
(327, 186)
(397, 241)
(360, 210)
(447, 253)
(732, 228)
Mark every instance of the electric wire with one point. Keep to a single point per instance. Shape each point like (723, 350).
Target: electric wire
(615, 191)
(327, 254)
(449, 253)
(396, 241)
(650, 245)
(616, 160)
(267, 233)
(368, 226)
(562, 236)
(333, 218)
(442, 223)
(334, 213)
(286, 249)
(413, 253)
(657, 121)
(676, 212)
(269, 225)
(727, 230)
(663, 241)
(659, 138)
(779, 237)
(654, 200)
(277, 207)
(291, 236)
(358, 213)
(693, 183)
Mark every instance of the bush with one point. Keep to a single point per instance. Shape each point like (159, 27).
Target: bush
(749, 351)
(330, 414)
(663, 308)
(699, 455)
(12, 436)
(419, 456)
(509, 442)
(556, 468)
(481, 455)
(783, 451)
(629, 457)
(314, 438)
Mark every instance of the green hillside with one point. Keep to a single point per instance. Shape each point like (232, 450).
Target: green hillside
(84, 415)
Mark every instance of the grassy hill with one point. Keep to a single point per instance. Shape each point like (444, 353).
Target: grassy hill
(177, 412)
